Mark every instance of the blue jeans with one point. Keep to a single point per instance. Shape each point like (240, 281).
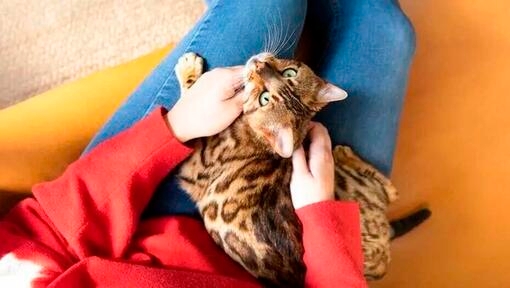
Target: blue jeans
(363, 46)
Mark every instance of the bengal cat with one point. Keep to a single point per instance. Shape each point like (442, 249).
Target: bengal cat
(240, 178)
(356, 180)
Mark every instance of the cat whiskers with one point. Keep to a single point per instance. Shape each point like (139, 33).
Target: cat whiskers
(273, 35)
(291, 42)
(267, 37)
(265, 41)
(281, 34)
(278, 39)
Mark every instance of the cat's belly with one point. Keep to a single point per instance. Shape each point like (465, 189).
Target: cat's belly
(244, 199)
(227, 208)
(231, 227)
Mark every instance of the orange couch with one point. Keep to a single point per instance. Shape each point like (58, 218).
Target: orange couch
(453, 148)
(41, 136)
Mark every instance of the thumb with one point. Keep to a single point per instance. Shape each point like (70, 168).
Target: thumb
(299, 164)
(236, 80)
(236, 69)
(234, 105)
(238, 98)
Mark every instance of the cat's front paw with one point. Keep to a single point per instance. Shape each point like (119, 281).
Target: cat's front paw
(341, 153)
(188, 69)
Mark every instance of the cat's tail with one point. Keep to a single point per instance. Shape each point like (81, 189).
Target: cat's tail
(403, 225)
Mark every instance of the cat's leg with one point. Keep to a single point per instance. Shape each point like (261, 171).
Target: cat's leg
(365, 47)
(344, 155)
(377, 257)
(228, 34)
(187, 70)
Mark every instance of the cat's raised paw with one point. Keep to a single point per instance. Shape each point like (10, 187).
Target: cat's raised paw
(189, 67)
(342, 152)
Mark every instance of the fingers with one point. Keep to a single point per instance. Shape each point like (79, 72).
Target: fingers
(234, 105)
(231, 73)
(237, 78)
(236, 69)
(238, 99)
(299, 164)
(229, 79)
(319, 136)
(321, 157)
(236, 82)
(237, 89)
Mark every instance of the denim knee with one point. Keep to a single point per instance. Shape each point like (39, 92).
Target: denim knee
(287, 8)
(400, 32)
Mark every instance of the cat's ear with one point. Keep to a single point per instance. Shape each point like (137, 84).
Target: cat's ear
(282, 141)
(330, 93)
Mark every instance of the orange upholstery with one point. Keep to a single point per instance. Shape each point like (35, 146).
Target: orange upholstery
(454, 148)
(41, 136)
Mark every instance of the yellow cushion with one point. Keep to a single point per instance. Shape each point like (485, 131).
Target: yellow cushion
(41, 136)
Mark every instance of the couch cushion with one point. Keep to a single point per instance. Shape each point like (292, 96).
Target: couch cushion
(41, 136)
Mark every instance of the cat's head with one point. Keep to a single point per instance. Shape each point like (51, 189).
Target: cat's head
(281, 96)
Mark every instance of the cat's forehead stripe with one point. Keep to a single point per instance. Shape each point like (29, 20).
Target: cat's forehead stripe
(291, 102)
(276, 98)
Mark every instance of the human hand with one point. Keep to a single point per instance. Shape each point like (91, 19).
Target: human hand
(209, 106)
(313, 181)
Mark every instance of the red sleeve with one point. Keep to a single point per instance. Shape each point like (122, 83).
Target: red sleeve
(332, 241)
(96, 204)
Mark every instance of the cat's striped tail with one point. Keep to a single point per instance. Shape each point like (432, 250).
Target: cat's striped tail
(405, 224)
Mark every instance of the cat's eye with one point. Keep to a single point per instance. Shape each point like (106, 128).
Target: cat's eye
(289, 73)
(264, 98)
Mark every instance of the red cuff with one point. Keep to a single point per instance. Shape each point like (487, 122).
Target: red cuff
(332, 241)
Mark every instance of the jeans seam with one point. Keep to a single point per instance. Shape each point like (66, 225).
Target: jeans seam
(192, 41)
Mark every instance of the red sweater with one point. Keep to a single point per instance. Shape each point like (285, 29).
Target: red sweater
(83, 229)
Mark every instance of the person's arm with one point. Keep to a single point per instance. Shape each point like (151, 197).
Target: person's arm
(332, 241)
(95, 206)
(331, 229)
(92, 209)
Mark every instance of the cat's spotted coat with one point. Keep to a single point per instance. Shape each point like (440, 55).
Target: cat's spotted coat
(356, 180)
(240, 178)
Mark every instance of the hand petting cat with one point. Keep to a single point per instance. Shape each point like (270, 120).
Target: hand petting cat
(214, 102)
(313, 179)
(209, 106)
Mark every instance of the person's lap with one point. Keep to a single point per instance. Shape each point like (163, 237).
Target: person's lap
(228, 34)
(369, 48)
(361, 55)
